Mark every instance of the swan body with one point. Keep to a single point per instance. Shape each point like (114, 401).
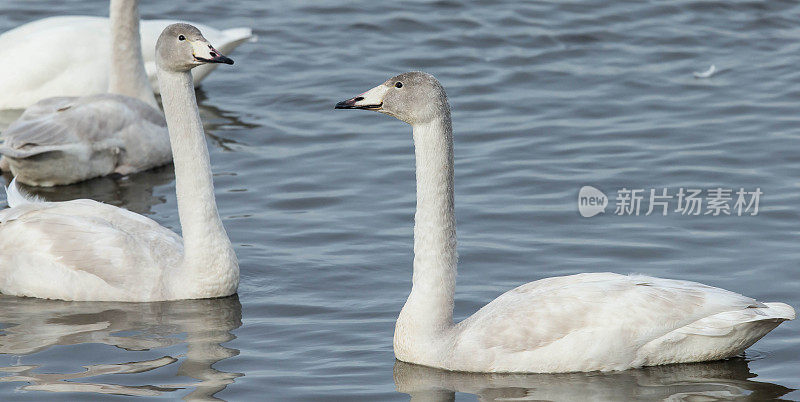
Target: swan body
(64, 140)
(41, 59)
(86, 250)
(584, 322)
(596, 321)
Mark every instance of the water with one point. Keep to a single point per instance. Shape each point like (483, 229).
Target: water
(546, 96)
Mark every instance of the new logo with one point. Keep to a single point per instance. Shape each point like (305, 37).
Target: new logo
(591, 201)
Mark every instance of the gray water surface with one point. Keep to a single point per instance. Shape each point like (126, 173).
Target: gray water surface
(547, 97)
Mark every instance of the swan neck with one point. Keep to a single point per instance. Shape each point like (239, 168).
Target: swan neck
(433, 284)
(127, 75)
(208, 254)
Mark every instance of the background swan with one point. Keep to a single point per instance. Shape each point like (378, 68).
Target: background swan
(64, 140)
(86, 250)
(584, 322)
(41, 59)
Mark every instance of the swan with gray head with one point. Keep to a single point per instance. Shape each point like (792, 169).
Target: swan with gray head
(86, 250)
(583, 322)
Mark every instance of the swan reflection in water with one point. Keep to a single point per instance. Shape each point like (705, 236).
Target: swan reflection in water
(711, 381)
(190, 332)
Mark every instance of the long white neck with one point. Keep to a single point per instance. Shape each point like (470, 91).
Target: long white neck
(208, 255)
(429, 308)
(128, 76)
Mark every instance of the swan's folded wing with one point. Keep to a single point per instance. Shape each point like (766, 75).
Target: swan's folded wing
(597, 312)
(34, 129)
(91, 122)
(116, 246)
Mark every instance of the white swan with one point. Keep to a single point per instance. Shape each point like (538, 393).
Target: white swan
(42, 59)
(64, 140)
(86, 250)
(585, 322)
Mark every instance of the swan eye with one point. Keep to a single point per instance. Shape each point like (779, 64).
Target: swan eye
(181, 37)
(398, 84)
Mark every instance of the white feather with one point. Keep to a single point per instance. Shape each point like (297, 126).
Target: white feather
(16, 198)
(706, 74)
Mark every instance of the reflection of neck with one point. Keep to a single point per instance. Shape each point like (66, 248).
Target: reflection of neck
(204, 349)
(209, 259)
(127, 75)
(208, 325)
(429, 308)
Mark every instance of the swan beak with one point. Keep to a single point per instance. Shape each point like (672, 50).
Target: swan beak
(370, 100)
(203, 52)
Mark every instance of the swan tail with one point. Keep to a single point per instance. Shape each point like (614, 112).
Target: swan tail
(239, 35)
(723, 324)
(781, 311)
(16, 197)
(719, 336)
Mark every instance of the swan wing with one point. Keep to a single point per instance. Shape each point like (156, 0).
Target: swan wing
(588, 322)
(64, 120)
(84, 250)
(42, 127)
(92, 135)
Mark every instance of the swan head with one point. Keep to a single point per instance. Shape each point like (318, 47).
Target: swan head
(414, 97)
(181, 47)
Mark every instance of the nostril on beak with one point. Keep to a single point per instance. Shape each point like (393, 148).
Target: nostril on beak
(358, 99)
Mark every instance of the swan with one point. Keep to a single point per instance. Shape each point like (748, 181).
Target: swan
(583, 322)
(41, 60)
(86, 250)
(64, 140)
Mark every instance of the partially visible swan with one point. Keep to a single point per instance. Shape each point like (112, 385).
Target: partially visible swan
(42, 59)
(86, 250)
(64, 140)
(584, 322)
